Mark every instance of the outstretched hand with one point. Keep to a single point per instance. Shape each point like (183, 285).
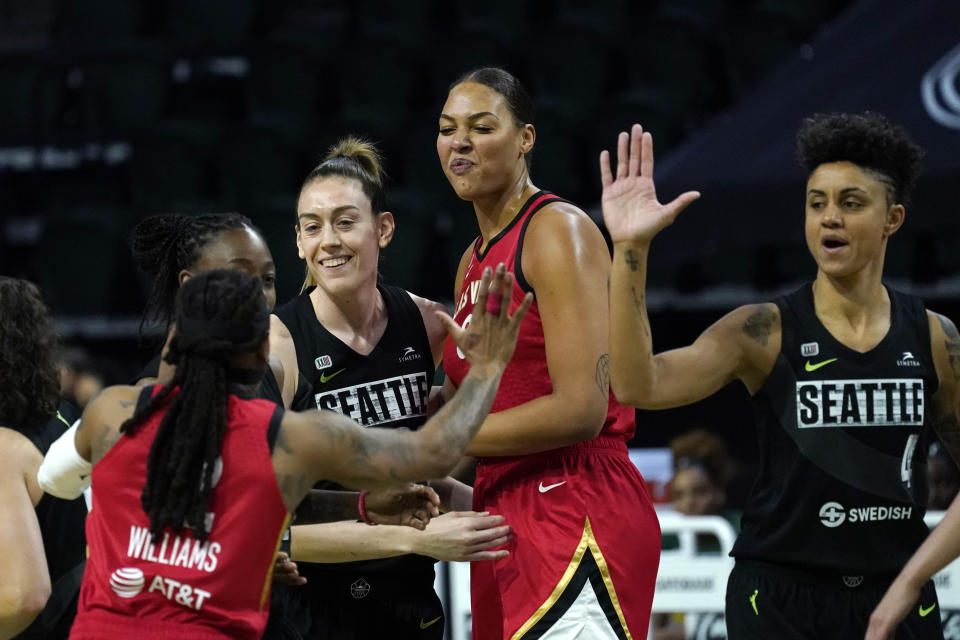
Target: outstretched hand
(412, 505)
(464, 536)
(490, 335)
(631, 210)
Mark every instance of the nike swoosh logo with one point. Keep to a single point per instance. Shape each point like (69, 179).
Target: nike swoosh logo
(544, 489)
(813, 367)
(924, 612)
(324, 378)
(424, 625)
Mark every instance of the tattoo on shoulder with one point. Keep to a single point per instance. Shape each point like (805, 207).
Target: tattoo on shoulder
(760, 324)
(602, 373)
(952, 343)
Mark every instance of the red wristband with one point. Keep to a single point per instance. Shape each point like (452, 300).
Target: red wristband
(362, 508)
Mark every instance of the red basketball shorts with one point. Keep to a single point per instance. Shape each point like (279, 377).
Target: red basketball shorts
(585, 548)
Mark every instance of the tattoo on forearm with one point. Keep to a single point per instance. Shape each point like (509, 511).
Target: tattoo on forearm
(952, 343)
(602, 374)
(759, 325)
(631, 260)
(640, 304)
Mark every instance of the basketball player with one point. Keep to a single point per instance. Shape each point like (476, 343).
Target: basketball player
(170, 249)
(553, 457)
(194, 481)
(367, 350)
(847, 376)
(41, 556)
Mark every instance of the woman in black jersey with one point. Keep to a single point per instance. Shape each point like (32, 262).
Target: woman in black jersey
(847, 376)
(41, 539)
(172, 248)
(367, 350)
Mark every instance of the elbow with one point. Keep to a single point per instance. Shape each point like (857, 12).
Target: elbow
(588, 422)
(632, 391)
(20, 607)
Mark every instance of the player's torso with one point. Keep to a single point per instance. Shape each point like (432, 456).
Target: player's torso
(843, 438)
(179, 578)
(389, 387)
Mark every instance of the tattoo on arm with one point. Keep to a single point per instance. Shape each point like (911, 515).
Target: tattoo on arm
(293, 487)
(759, 325)
(640, 304)
(631, 260)
(952, 343)
(603, 373)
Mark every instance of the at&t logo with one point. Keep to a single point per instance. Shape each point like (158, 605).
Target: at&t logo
(127, 582)
(832, 514)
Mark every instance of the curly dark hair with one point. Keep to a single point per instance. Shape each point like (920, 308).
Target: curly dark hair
(164, 245)
(868, 140)
(29, 352)
(219, 314)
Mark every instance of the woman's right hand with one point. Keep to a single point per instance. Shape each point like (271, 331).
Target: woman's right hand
(490, 332)
(631, 210)
(463, 536)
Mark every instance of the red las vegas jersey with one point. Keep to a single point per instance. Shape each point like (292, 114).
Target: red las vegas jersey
(526, 377)
(179, 587)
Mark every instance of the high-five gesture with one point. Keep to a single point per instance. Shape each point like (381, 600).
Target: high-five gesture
(491, 334)
(631, 210)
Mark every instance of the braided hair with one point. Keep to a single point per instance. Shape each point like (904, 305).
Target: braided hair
(164, 245)
(219, 314)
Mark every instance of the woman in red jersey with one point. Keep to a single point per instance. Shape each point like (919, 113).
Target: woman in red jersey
(552, 454)
(191, 495)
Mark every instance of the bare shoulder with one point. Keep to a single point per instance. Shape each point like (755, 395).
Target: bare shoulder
(563, 246)
(565, 223)
(944, 342)
(125, 396)
(427, 307)
(278, 330)
(16, 447)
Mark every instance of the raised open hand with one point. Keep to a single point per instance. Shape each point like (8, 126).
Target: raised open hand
(631, 210)
(489, 334)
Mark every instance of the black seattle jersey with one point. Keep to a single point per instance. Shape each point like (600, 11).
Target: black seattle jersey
(389, 387)
(843, 440)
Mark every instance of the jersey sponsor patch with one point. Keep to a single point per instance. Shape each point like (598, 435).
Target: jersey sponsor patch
(860, 403)
(380, 402)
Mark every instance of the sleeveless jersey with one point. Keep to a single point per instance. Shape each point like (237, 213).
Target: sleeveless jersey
(843, 437)
(389, 387)
(526, 376)
(179, 587)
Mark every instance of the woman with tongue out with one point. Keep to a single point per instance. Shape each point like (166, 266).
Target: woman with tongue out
(552, 453)
(367, 350)
(848, 377)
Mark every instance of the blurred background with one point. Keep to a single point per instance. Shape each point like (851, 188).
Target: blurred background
(113, 110)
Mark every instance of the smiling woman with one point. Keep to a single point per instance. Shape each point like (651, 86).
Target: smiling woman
(368, 351)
